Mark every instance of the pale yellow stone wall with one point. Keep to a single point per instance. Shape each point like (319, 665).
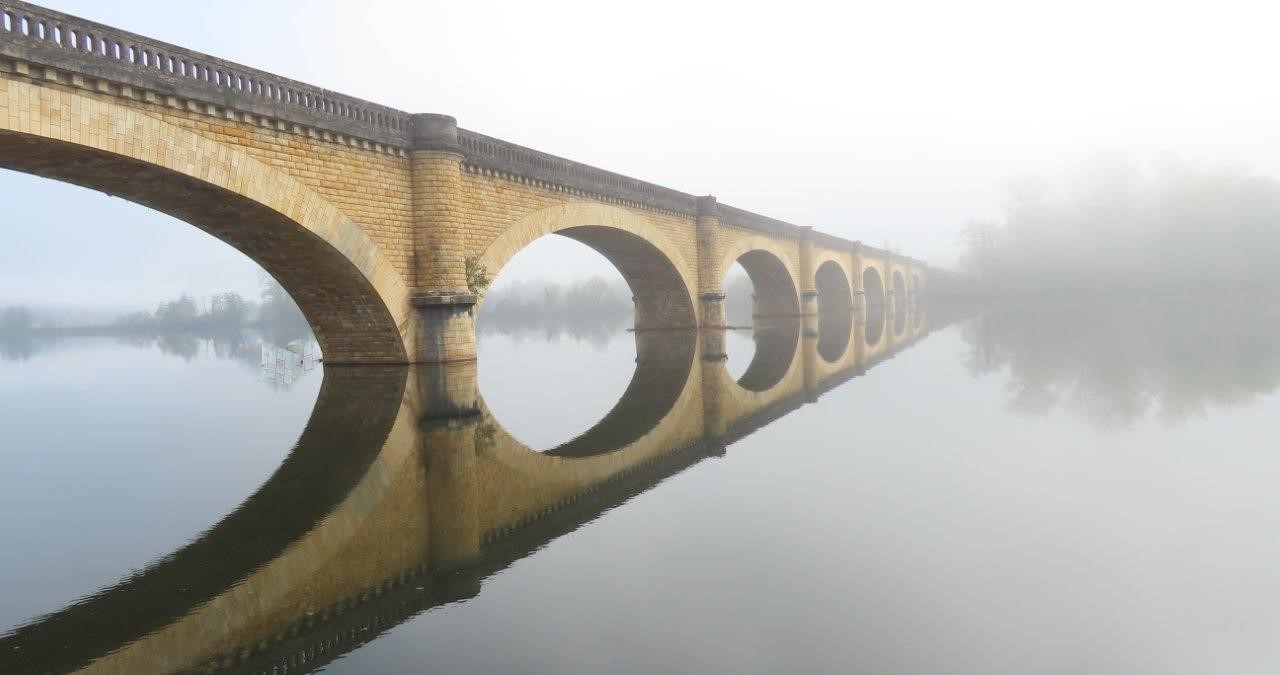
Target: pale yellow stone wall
(733, 243)
(493, 203)
(370, 186)
(503, 240)
(416, 218)
(88, 138)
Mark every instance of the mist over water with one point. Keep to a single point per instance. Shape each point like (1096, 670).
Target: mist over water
(1114, 228)
(1050, 448)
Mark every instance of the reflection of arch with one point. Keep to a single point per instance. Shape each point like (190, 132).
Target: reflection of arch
(355, 300)
(834, 329)
(773, 284)
(776, 348)
(664, 360)
(899, 303)
(875, 325)
(832, 284)
(874, 289)
(354, 416)
(651, 265)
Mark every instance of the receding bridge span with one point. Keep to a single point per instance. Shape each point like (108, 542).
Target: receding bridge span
(368, 215)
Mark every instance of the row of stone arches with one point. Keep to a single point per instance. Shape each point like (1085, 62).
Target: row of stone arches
(356, 299)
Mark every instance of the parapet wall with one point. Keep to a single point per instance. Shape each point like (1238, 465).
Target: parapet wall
(171, 75)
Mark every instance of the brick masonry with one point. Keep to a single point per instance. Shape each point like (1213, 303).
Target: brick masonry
(366, 214)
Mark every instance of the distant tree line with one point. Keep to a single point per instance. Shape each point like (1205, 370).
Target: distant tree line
(590, 307)
(225, 313)
(177, 325)
(1120, 227)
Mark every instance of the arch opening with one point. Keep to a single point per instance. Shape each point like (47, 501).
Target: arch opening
(353, 321)
(553, 351)
(835, 310)
(661, 297)
(647, 263)
(834, 290)
(597, 280)
(759, 293)
(873, 287)
(773, 293)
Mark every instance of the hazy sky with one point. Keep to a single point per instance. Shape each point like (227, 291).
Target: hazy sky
(886, 122)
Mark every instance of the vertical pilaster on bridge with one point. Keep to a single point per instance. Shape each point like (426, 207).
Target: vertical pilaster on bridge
(448, 423)
(711, 368)
(860, 341)
(808, 292)
(855, 273)
(910, 270)
(442, 298)
(710, 276)
(809, 356)
(886, 278)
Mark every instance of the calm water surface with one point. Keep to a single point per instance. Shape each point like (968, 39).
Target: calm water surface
(1029, 489)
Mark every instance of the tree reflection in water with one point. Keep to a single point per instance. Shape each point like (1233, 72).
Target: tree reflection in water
(1116, 364)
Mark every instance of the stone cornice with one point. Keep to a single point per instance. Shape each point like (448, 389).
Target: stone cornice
(51, 46)
(51, 38)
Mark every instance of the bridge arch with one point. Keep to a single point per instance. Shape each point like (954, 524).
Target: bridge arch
(648, 261)
(354, 298)
(835, 308)
(834, 290)
(773, 279)
(916, 288)
(873, 286)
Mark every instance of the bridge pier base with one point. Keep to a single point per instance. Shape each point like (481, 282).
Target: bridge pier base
(447, 424)
(809, 356)
(860, 340)
(712, 364)
(710, 290)
(446, 327)
(711, 310)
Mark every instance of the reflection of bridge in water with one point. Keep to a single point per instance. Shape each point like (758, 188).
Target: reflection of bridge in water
(403, 494)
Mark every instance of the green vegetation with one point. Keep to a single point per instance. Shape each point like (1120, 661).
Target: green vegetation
(477, 276)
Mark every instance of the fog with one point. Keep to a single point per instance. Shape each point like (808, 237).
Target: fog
(1117, 364)
(885, 123)
(1115, 228)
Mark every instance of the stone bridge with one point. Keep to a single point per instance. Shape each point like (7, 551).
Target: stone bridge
(403, 493)
(370, 217)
